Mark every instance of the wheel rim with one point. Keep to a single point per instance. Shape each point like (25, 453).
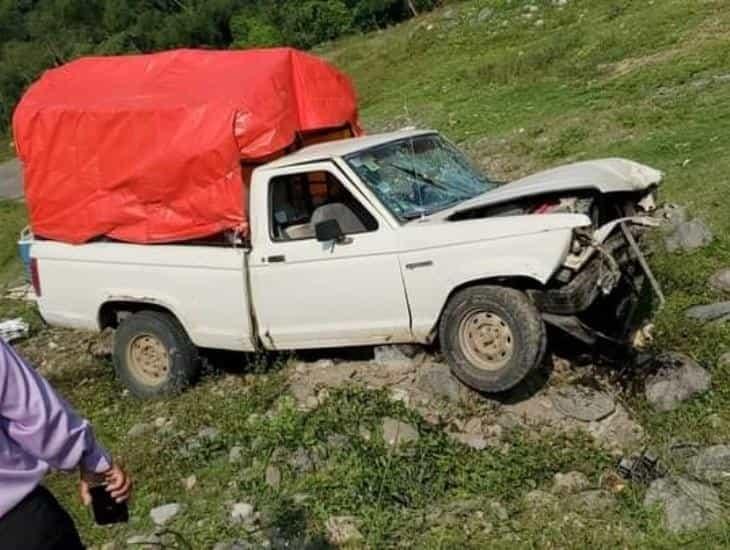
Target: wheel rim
(486, 340)
(148, 359)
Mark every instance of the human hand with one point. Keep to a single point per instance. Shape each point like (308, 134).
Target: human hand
(118, 484)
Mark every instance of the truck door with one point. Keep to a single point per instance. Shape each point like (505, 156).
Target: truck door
(308, 293)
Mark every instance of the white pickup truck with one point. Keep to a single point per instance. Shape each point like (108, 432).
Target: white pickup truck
(385, 239)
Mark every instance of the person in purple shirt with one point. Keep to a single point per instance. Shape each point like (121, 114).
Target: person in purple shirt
(39, 431)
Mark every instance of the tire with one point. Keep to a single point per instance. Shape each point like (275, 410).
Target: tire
(153, 355)
(507, 321)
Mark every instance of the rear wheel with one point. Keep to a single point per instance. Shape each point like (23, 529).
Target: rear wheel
(492, 337)
(153, 355)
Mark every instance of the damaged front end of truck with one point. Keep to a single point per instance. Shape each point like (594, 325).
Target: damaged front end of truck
(594, 295)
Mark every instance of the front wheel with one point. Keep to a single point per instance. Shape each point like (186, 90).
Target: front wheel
(153, 355)
(492, 337)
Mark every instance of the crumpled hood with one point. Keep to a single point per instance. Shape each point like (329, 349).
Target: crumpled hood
(610, 175)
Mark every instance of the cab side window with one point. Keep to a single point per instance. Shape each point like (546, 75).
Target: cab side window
(301, 201)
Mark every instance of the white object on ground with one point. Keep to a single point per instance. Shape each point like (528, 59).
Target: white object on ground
(13, 329)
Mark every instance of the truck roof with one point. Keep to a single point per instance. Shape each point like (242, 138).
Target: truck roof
(342, 147)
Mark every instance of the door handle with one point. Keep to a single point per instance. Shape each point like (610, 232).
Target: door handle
(277, 259)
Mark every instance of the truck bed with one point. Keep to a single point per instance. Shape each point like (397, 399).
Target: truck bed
(203, 286)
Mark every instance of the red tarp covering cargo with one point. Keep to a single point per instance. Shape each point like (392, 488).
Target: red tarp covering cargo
(148, 148)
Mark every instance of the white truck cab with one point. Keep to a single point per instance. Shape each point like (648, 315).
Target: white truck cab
(384, 239)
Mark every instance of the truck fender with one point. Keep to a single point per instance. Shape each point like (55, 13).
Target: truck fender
(113, 304)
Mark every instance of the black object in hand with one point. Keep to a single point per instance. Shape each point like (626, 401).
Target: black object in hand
(106, 509)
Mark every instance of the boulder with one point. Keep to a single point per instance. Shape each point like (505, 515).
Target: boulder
(397, 433)
(582, 403)
(273, 476)
(568, 483)
(720, 280)
(678, 378)
(438, 381)
(671, 215)
(688, 236)
(342, 530)
(719, 311)
(595, 502)
(386, 355)
(475, 441)
(537, 500)
(242, 512)
(712, 464)
(162, 515)
(235, 455)
(687, 504)
(140, 429)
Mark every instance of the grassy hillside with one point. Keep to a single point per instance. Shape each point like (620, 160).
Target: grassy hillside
(522, 86)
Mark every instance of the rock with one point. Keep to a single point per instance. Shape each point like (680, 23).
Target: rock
(688, 505)
(678, 379)
(560, 2)
(101, 347)
(242, 512)
(724, 360)
(109, 546)
(235, 545)
(273, 476)
(540, 500)
(719, 311)
(438, 381)
(138, 430)
(144, 541)
(386, 355)
(485, 14)
(671, 215)
(582, 403)
(473, 425)
(720, 280)
(337, 441)
(617, 431)
(568, 483)
(164, 514)
(342, 530)
(301, 461)
(208, 433)
(235, 454)
(365, 433)
(712, 464)
(399, 395)
(190, 482)
(397, 433)
(688, 236)
(595, 502)
(498, 510)
(475, 441)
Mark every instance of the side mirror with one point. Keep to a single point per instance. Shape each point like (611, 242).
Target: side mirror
(329, 230)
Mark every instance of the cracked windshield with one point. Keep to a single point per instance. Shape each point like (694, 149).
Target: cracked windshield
(418, 176)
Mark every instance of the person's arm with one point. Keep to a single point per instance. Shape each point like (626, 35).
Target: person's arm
(46, 427)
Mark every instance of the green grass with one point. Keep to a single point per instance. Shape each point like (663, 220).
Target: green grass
(13, 219)
(644, 80)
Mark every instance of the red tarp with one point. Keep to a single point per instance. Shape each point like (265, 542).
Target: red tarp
(148, 148)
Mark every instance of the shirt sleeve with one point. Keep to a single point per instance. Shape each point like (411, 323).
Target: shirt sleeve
(41, 422)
